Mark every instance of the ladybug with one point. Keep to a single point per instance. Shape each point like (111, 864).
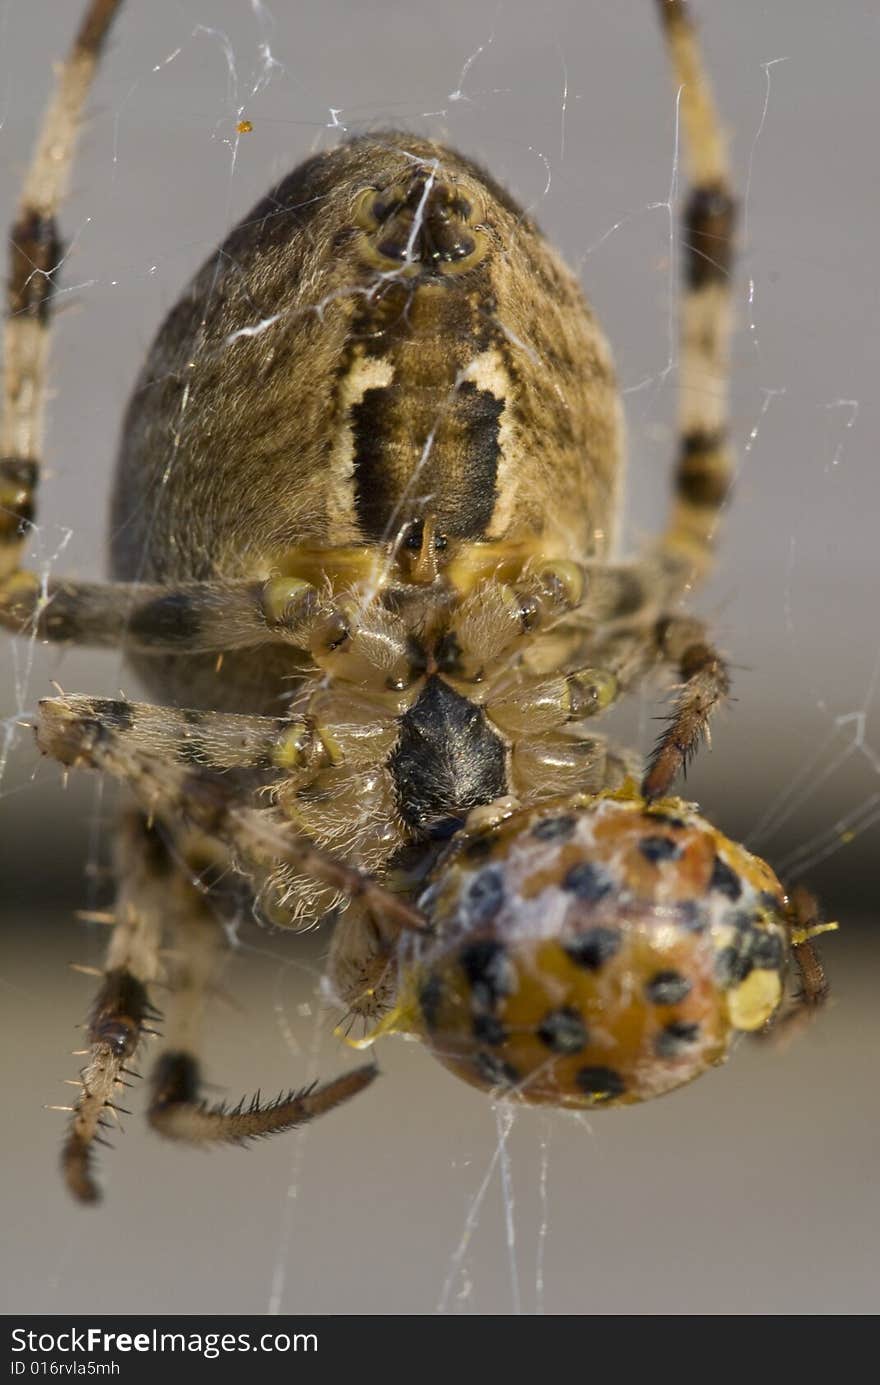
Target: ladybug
(593, 951)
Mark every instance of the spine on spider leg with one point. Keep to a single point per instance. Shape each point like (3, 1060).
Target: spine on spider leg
(35, 253)
(703, 473)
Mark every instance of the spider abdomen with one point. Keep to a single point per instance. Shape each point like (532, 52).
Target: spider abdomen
(595, 952)
(386, 333)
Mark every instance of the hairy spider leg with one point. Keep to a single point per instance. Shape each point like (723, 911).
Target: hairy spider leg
(160, 900)
(36, 251)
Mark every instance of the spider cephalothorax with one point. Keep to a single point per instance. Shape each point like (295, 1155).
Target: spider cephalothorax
(363, 554)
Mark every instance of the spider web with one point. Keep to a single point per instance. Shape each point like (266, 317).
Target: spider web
(421, 1197)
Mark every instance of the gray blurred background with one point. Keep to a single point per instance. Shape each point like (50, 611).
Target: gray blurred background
(754, 1191)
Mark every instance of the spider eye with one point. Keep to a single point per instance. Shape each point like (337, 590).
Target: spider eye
(414, 536)
(594, 951)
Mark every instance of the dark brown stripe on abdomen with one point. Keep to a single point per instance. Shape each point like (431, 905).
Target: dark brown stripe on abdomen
(457, 469)
(375, 484)
(480, 412)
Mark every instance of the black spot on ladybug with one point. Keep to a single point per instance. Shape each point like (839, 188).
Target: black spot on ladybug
(692, 915)
(554, 829)
(745, 920)
(732, 966)
(766, 950)
(587, 882)
(485, 895)
(489, 970)
(593, 948)
(495, 1071)
(725, 880)
(667, 988)
(489, 1030)
(600, 1082)
(563, 1030)
(657, 849)
(676, 1037)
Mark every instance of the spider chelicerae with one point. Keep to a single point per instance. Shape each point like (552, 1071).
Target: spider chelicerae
(373, 457)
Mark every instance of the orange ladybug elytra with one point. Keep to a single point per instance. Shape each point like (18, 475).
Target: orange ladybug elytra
(594, 951)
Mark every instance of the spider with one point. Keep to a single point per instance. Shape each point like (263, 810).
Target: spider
(362, 554)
